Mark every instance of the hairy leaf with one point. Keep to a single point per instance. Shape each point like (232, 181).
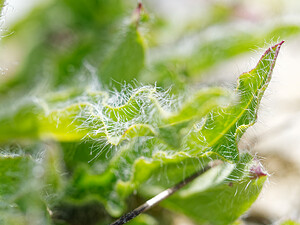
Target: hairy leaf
(156, 162)
(221, 195)
(141, 115)
(224, 127)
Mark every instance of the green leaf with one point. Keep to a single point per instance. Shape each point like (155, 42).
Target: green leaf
(12, 178)
(141, 115)
(224, 127)
(126, 60)
(157, 161)
(29, 185)
(88, 183)
(19, 120)
(219, 196)
(18, 191)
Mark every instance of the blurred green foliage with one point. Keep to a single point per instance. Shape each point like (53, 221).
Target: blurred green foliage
(289, 222)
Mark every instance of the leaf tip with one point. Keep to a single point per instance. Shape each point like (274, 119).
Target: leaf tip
(136, 16)
(256, 170)
(275, 47)
(280, 43)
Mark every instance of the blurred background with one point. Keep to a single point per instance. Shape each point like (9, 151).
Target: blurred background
(190, 44)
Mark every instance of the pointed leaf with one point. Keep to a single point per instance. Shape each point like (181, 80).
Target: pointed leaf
(221, 195)
(224, 127)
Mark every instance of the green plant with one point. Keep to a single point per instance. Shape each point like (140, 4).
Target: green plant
(79, 150)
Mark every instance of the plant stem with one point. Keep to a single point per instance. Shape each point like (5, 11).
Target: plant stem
(161, 196)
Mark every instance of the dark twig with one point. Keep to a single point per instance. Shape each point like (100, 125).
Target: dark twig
(161, 196)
